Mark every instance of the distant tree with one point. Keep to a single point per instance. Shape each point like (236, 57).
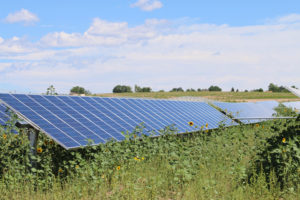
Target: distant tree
(274, 88)
(161, 91)
(79, 90)
(142, 89)
(258, 90)
(214, 88)
(199, 90)
(246, 90)
(237, 90)
(294, 87)
(232, 89)
(51, 90)
(177, 90)
(122, 89)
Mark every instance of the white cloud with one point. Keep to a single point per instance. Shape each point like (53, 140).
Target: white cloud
(23, 16)
(147, 5)
(157, 54)
(289, 18)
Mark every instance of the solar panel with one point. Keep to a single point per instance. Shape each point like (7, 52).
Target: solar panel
(4, 116)
(294, 105)
(249, 110)
(72, 121)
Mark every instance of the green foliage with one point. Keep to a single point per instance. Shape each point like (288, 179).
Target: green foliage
(143, 89)
(281, 154)
(122, 89)
(202, 165)
(51, 90)
(274, 88)
(214, 88)
(258, 90)
(79, 90)
(177, 90)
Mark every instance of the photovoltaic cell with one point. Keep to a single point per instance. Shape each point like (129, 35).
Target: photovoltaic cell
(4, 115)
(72, 121)
(249, 110)
(295, 105)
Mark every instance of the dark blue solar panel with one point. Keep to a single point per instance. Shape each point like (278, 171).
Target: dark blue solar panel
(294, 105)
(73, 121)
(249, 110)
(4, 114)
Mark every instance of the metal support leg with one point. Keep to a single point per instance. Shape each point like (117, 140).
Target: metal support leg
(33, 137)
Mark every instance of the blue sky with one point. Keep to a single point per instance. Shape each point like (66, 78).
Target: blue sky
(157, 43)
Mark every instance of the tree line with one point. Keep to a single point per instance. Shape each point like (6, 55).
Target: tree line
(78, 90)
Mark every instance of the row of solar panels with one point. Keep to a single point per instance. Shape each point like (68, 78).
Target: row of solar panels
(72, 121)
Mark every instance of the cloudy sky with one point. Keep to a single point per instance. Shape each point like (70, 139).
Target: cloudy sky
(163, 44)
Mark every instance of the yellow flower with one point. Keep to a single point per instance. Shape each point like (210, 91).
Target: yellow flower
(206, 125)
(257, 125)
(134, 136)
(263, 126)
(77, 166)
(136, 158)
(206, 131)
(39, 150)
(119, 167)
(283, 140)
(60, 170)
(103, 176)
(143, 158)
(45, 142)
(202, 127)
(4, 136)
(191, 123)
(284, 150)
(51, 142)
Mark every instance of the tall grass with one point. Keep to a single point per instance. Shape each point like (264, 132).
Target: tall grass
(217, 164)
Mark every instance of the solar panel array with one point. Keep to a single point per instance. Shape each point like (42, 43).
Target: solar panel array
(4, 116)
(294, 105)
(72, 121)
(249, 110)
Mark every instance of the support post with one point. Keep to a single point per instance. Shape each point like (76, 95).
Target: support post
(33, 138)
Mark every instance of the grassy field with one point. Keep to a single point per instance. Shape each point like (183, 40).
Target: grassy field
(226, 163)
(220, 96)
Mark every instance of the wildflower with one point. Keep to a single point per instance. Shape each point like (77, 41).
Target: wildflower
(283, 140)
(4, 136)
(51, 142)
(39, 150)
(257, 125)
(45, 142)
(143, 158)
(206, 131)
(103, 176)
(136, 158)
(191, 123)
(60, 170)
(119, 167)
(206, 125)
(77, 166)
(284, 150)
(134, 136)
(263, 126)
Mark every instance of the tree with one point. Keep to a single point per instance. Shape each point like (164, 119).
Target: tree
(51, 90)
(258, 90)
(122, 89)
(232, 89)
(79, 90)
(140, 89)
(214, 88)
(177, 90)
(237, 90)
(274, 88)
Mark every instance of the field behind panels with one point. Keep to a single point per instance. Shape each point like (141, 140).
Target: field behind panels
(218, 96)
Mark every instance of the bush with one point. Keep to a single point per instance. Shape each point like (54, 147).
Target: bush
(122, 89)
(214, 88)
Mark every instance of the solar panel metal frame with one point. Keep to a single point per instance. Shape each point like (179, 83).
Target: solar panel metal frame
(162, 114)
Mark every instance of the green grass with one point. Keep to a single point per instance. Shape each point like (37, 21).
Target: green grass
(221, 96)
(203, 165)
